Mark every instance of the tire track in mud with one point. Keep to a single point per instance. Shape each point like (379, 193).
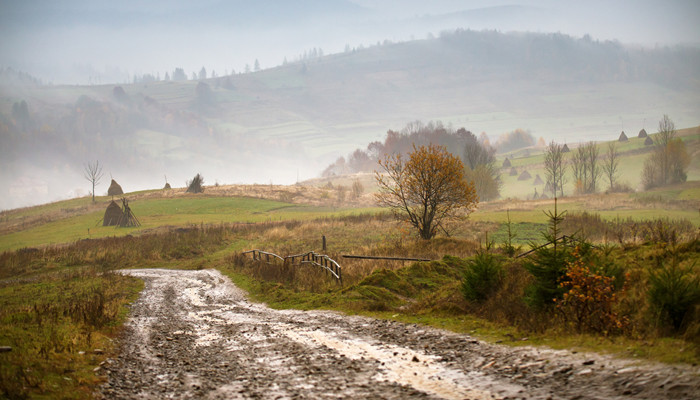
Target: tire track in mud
(192, 334)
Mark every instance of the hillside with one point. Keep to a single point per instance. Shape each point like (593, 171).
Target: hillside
(289, 122)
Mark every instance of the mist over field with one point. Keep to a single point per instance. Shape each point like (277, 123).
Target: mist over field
(276, 90)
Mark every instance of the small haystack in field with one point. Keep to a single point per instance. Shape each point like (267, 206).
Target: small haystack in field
(642, 133)
(623, 137)
(524, 176)
(114, 189)
(113, 214)
(513, 171)
(167, 185)
(506, 163)
(565, 149)
(648, 141)
(538, 180)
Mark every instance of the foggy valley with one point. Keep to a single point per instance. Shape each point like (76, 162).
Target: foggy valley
(287, 121)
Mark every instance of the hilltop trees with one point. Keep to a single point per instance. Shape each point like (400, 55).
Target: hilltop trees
(427, 190)
(179, 75)
(401, 142)
(517, 139)
(480, 167)
(669, 161)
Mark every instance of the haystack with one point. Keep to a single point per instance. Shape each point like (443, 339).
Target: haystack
(642, 133)
(513, 171)
(113, 214)
(648, 141)
(623, 137)
(114, 189)
(538, 180)
(506, 163)
(565, 149)
(167, 186)
(524, 176)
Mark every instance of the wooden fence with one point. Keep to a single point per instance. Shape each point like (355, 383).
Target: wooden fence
(319, 260)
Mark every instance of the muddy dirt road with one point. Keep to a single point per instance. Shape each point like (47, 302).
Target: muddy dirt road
(193, 334)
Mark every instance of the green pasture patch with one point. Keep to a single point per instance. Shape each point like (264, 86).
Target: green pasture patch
(537, 216)
(179, 211)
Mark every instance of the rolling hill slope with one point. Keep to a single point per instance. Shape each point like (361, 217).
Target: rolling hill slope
(288, 122)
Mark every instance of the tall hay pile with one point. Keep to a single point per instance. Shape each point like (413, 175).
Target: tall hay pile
(113, 214)
(114, 189)
(524, 176)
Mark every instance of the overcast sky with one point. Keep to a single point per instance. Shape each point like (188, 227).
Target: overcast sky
(97, 41)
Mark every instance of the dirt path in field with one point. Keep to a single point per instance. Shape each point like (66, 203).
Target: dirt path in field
(192, 334)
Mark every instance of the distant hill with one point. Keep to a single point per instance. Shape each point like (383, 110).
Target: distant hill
(290, 121)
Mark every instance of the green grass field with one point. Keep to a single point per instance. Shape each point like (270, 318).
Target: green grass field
(155, 213)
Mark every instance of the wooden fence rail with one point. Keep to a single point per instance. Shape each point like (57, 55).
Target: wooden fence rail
(385, 258)
(320, 260)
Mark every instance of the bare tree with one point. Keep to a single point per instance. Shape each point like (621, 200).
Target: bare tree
(667, 131)
(592, 166)
(669, 161)
(611, 163)
(357, 189)
(554, 168)
(585, 168)
(93, 173)
(579, 169)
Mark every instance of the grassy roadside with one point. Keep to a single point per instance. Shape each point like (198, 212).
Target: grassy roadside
(60, 325)
(429, 294)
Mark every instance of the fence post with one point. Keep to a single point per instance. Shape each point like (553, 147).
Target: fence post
(323, 237)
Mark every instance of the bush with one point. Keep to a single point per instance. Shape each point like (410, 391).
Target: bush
(590, 297)
(195, 185)
(482, 276)
(674, 291)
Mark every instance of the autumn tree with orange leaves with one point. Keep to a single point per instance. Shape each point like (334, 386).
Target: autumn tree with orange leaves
(428, 190)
